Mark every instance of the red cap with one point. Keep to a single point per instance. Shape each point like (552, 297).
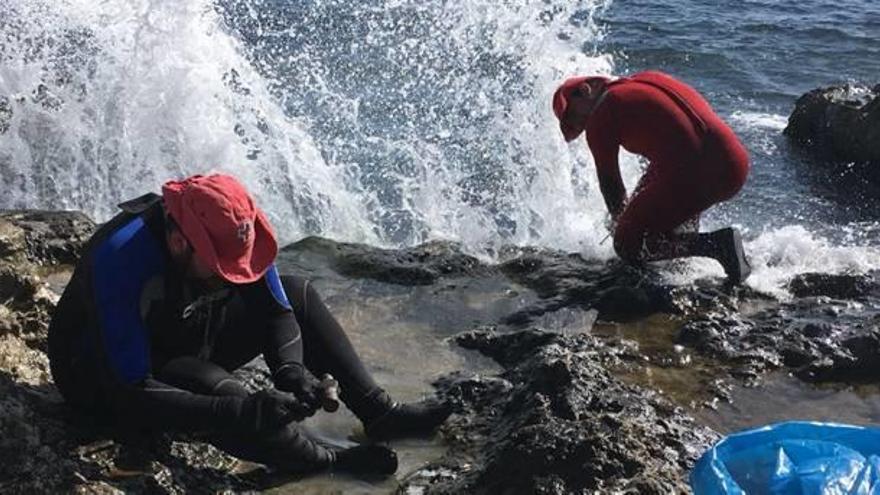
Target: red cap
(560, 103)
(224, 226)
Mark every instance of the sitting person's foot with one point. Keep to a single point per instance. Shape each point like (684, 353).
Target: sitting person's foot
(366, 460)
(731, 254)
(408, 419)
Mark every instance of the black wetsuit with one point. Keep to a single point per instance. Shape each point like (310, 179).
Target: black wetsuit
(166, 364)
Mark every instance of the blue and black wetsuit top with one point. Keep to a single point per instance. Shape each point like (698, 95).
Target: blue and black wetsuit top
(127, 312)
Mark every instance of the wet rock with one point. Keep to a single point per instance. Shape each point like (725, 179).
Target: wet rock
(556, 421)
(836, 286)
(568, 320)
(34, 459)
(855, 360)
(623, 303)
(619, 292)
(420, 265)
(505, 351)
(44, 237)
(712, 334)
(26, 313)
(840, 123)
(708, 296)
(33, 243)
(12, 242)
(827, 332)
(16, 286)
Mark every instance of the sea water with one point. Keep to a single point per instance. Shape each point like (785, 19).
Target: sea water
(395, 122)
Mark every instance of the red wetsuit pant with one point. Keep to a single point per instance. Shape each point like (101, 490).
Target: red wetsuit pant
(670, 194)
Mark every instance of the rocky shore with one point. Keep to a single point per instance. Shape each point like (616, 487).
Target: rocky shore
(840, 125)
(556, 420)
(564, 410)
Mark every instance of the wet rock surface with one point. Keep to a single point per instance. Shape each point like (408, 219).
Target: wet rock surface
(420, 265)
(827, 332)
(560, 416)
(44, 237)
(617, 291)
(557, 421)
(34, 244)
(840, 124)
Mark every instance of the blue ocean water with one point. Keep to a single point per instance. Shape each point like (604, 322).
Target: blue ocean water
(393, 122)
(753, 59)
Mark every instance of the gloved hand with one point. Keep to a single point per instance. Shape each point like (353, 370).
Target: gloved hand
(302, 384)
(367, 459)
(268, 410)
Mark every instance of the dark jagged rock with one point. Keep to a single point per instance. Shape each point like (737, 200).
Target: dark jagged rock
(822, 335)
(840, 123)
(32, 242)
(420, 265)
(56, 453)
(619, 292)
(709, 296)
(835, 286)
(505, 351)
(44, 237)
(556, 421)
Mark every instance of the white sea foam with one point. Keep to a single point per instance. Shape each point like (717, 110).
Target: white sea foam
(757, 120)
(778, 255)
(109, 100)
(141, 91)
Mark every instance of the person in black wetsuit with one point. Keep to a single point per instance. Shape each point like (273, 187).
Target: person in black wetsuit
(175, 293)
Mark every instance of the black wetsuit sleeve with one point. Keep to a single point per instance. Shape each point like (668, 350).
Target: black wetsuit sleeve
(284, 351)
(154, 404)
(282, 338)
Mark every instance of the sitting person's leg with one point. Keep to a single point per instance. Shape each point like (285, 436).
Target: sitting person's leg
(201, 377)
(327, 349)
(287, 448)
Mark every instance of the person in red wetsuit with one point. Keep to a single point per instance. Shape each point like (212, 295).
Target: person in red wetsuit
(695, 160)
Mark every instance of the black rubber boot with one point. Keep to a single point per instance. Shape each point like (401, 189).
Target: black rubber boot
(731, 255)
(366, 460)
(407, 420)
(384, 418)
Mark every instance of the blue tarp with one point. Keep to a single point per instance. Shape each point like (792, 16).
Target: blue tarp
(792, 458)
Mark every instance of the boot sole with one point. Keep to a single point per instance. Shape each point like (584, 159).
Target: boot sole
(745, 268)
(740, 264)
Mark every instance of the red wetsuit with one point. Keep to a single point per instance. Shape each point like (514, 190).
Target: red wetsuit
(695, 158)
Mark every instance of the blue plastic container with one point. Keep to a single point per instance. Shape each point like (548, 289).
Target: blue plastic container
(792, 458)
